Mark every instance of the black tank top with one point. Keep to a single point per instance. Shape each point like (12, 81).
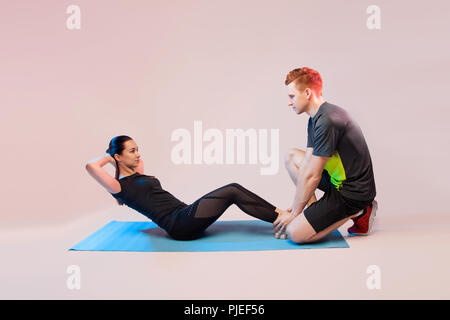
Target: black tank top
(145, 195)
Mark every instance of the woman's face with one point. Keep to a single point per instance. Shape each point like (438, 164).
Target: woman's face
(130, 155)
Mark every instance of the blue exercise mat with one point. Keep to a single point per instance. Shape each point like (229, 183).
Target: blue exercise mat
(247, 235)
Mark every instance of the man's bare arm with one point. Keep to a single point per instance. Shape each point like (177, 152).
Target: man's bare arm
(309, 177)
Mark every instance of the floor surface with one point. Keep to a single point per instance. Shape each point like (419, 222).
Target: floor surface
(410, 253)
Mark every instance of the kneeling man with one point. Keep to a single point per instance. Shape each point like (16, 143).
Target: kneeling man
(336, 160)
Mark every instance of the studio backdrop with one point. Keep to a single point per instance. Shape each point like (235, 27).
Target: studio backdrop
(199, 85)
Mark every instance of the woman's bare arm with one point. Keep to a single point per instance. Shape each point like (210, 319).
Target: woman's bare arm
(95, 169)
(103, 160)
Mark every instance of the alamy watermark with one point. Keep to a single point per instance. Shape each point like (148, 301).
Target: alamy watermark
(234, 146)
(374, 279)
(74, 280)
(374, 20)
(73, 22)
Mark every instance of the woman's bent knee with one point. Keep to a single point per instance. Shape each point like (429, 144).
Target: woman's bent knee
(234, 184)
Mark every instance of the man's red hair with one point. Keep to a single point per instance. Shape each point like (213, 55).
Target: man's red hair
(305, 78)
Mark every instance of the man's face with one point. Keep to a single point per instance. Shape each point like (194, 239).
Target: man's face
(298, 100)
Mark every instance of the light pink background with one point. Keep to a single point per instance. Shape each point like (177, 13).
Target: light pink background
(146, 68)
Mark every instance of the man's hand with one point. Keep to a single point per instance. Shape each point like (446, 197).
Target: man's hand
(284, 218)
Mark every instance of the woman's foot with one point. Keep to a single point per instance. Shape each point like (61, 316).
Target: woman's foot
(282, 236)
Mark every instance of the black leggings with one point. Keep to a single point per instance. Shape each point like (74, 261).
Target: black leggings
(191, 221)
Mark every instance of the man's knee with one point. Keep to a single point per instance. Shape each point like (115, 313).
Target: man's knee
(298, 234)
(300, 230)
(293, 156)
(298, 237)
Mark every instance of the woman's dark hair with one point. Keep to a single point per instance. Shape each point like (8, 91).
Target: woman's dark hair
(116, 145)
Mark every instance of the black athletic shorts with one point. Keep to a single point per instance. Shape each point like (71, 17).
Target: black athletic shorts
(332, 207)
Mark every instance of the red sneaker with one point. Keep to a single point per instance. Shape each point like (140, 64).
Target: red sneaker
(363, 223)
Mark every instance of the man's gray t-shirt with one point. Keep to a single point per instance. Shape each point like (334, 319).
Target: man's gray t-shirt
(333, 133)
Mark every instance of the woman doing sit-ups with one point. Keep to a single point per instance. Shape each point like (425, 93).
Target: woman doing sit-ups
(144, 194)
